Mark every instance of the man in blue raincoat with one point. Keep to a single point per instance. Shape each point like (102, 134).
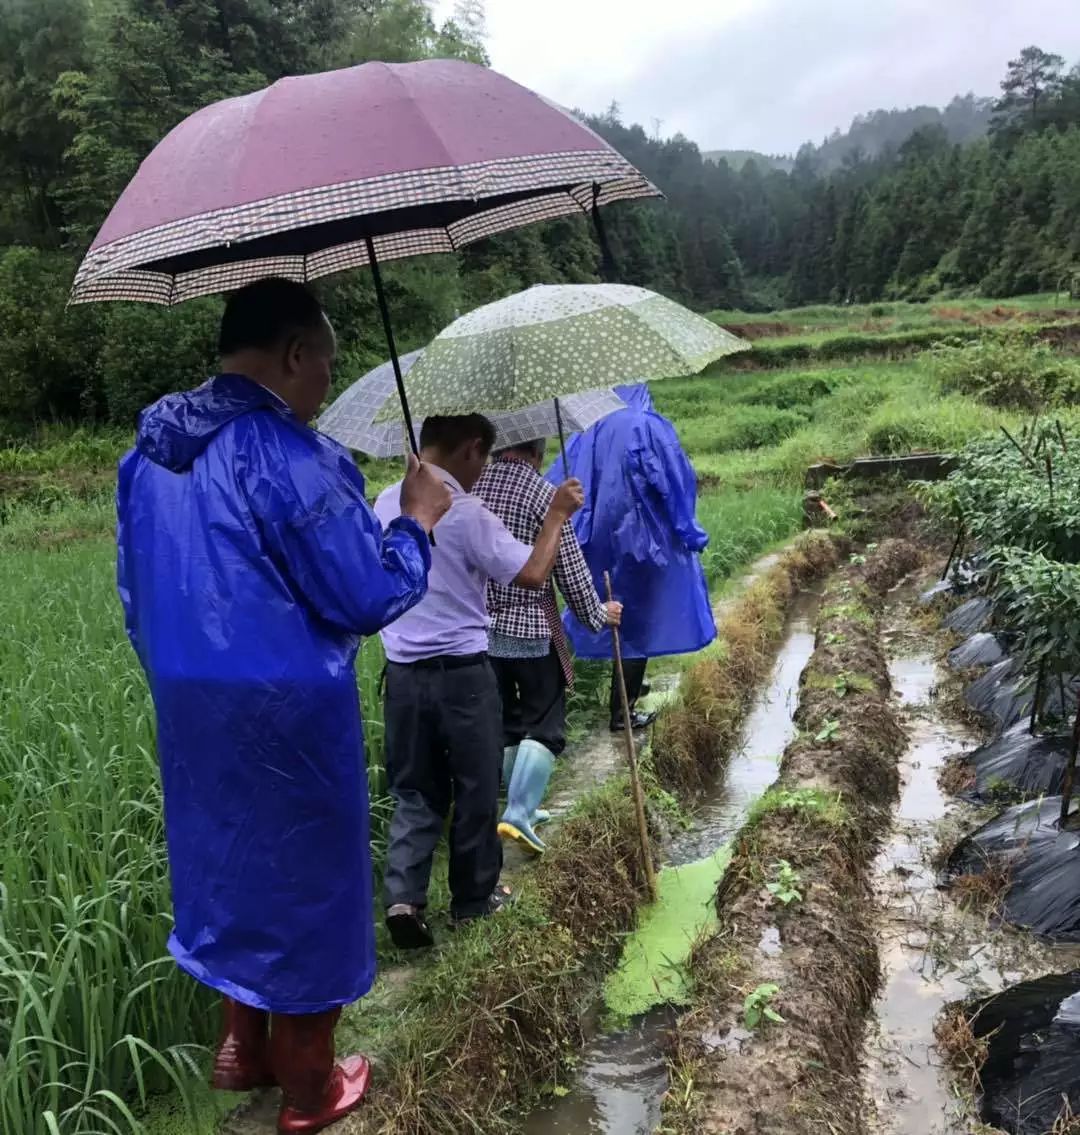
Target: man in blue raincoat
(249, 565)
(638, 524)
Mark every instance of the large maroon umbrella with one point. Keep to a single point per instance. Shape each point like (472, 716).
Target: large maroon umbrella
(325, 172)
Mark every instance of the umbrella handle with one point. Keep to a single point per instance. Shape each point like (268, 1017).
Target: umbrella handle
(388, 330)
(562, 439)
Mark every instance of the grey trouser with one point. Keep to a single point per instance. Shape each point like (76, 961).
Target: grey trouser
(443, 747)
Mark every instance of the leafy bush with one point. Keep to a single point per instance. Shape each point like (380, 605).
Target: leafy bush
(1005, 500)
(1009, 370)
(150, 351)
(48, 352)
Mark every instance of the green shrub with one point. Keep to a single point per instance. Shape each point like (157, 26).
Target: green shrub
(48, 352)
(1008, 371)
(788, 391)
(151, 351)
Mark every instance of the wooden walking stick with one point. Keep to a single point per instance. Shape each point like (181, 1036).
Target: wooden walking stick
(631, 757)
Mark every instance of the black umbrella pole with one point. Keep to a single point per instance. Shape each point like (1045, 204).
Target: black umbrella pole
(562, 439)
(607, 261)
(388, 329)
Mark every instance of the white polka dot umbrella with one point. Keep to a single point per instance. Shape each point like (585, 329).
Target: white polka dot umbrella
(554, 340)
(351, 418)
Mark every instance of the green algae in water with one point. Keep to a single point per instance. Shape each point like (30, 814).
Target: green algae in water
(652, 970)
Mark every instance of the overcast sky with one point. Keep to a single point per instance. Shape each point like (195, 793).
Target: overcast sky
(766, 74)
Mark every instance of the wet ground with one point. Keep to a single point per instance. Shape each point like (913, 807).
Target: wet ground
(933, 952)
(623, 1074)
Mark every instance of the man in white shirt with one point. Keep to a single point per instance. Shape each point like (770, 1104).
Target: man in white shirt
(443, 712)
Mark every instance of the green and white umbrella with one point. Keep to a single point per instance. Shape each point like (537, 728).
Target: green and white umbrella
(554, 340)
(351, 418)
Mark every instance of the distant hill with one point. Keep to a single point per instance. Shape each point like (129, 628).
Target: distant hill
(738, 158)
(966, 118)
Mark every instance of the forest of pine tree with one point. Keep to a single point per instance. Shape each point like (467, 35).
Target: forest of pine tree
(906, 204)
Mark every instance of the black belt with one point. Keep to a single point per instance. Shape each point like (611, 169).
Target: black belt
(444, 662)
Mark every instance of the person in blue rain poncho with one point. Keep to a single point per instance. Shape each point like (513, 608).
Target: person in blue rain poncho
(249, 565)
(638, 524)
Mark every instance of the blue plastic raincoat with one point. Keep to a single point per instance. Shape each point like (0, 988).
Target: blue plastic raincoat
(638, 523)
(249, 565)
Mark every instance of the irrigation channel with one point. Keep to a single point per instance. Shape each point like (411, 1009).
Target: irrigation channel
(623, 1074)
(934, 951)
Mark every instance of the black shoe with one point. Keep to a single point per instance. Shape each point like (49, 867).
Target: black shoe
(498, 901)
(407, 927)
(645, 690)
(638, 721)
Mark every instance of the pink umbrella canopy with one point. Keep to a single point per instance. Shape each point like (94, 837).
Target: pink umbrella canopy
(318, 173)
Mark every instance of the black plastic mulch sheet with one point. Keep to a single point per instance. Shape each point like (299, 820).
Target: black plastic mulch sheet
(980, 649)
(1005, 696)
(1014, 831)
(1043, 863)
(1001, 694)
(1019, 766)
(1033, 1059)
(970, 616)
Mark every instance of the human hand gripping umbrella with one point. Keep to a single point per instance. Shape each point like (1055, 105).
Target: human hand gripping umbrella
(320, 173)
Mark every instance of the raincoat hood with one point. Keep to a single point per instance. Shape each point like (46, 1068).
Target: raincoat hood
(176, 429)
(637, 397)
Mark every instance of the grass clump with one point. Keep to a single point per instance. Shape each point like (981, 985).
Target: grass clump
(816, 804)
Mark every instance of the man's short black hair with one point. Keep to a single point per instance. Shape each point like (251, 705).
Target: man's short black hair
(449, 432)
(265, 313)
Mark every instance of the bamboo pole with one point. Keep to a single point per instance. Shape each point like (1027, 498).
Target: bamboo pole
(1070, 768)
(1019, 448)
(631, 756)
(1037, 701)
(955, 548)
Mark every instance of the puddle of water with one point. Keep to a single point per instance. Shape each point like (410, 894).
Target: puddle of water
(932, 951)
(624, 1074)
(622, 1081)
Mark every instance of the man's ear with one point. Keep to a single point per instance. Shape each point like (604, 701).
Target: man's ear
(292, 358)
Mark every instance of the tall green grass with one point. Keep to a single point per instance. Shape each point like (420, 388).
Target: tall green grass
(95, 1018)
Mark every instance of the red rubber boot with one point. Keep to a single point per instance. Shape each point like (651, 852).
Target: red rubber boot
(314, 1090)
(242, 1061)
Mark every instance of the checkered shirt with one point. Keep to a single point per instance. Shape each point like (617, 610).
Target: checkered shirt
(520, 497)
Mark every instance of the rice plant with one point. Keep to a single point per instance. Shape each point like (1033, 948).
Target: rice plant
(95, 1019)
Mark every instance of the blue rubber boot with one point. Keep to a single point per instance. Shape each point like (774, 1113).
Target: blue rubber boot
(541, 815)
(532, 771)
